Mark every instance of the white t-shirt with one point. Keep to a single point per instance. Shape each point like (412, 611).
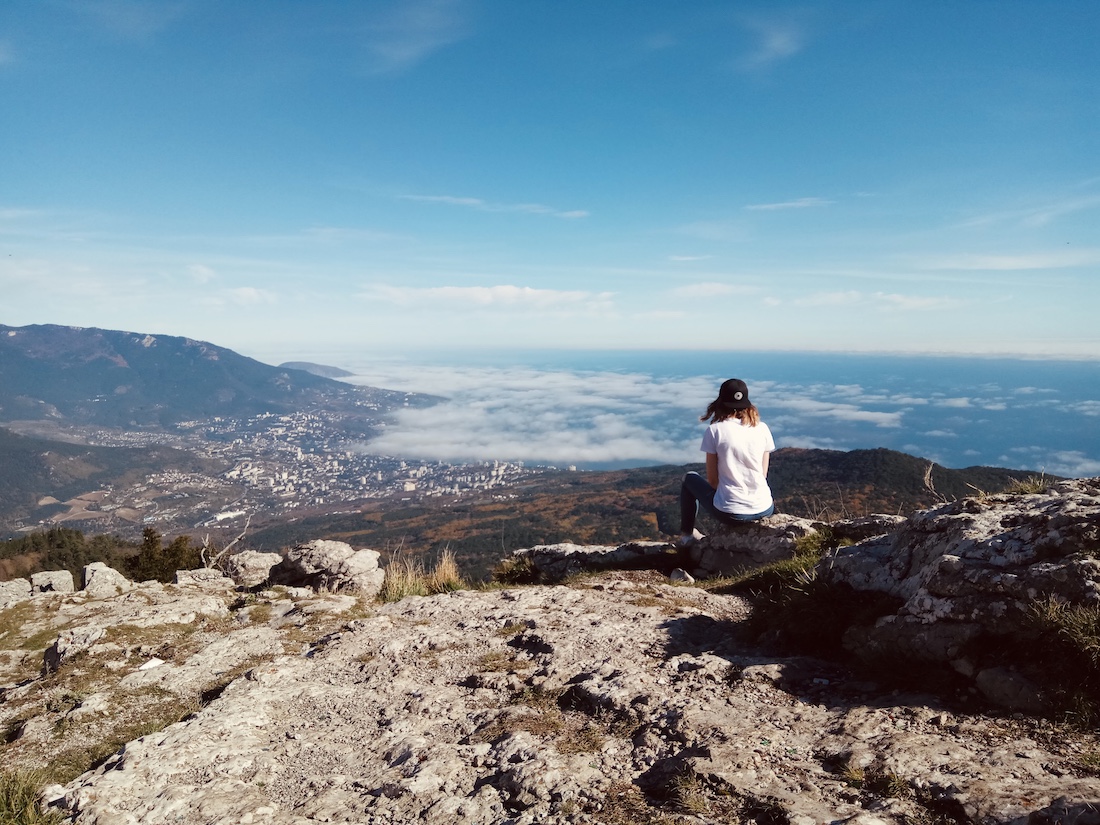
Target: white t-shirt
(742, 487)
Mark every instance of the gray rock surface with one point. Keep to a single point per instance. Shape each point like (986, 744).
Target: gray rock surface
(620, 698)
(251, 568)
(558, 704)
(103, 582)
(331, 565)
(968, 575)
(204, 577)
(743, 546)
(52, 581)
(14, 591)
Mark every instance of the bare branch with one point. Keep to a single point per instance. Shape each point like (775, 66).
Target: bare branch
(217, 558)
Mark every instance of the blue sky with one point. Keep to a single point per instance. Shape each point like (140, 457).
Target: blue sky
(287, 178)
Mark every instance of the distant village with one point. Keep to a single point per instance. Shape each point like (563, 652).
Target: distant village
(277, 463)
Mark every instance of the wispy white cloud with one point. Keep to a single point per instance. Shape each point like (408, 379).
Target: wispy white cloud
(776, 41)
(845, 298)
(7, 53)
(800, 203)
(487, 206)
(711, 289)
(201, 273)
(1053, 259)
(914, 303)
(689, 258)
(879, 301)
(237, 298)
(1037, 216)
(250, 296)
(506, 295)
(412, 31)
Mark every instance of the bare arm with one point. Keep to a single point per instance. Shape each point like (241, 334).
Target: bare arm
(764, 464)
(712, 469)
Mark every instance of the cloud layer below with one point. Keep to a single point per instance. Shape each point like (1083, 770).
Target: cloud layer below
(629, 417)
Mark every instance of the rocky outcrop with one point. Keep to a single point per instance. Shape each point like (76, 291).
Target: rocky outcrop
(251, 568)
(970, 574)
(621, 697)
(14, 591)
(102, 582)
(738, 547)
(52, 581)
(330, 565)
(624, 697)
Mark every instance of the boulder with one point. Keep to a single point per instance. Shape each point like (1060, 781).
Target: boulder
(103, 582)
(969, 574)
(736, 547)
(14, 591)
(251, 568)
(331, 565)
(52, 581)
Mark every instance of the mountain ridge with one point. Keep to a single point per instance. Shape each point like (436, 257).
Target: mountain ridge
(114, 378)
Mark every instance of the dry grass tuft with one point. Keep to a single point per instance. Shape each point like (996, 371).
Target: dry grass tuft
(19, 799)
(407, 577)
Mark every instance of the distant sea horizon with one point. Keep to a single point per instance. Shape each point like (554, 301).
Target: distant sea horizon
(604, 409)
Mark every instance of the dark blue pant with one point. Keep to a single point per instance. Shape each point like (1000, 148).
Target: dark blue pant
(696, 490)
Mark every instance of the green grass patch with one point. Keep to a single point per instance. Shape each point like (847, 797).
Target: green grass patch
(19, 799)
(1065, 659)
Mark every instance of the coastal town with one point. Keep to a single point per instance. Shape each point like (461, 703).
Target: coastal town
(265, 467)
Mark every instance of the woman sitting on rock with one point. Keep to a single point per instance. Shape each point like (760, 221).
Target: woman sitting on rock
(738, 445)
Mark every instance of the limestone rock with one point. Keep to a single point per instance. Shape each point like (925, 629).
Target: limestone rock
(251, 568)
(736, 547)
(969, 572)
(14, 591)
(69, 642)
(103, 582)
(331, 565)
(52, 581)
(549, 704)
(204, 578)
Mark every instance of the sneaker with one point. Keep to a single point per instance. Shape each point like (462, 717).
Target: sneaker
(686, 540)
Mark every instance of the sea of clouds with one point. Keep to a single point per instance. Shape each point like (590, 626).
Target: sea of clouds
(605, 418)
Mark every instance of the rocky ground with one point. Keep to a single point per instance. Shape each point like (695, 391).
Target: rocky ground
(619, 697)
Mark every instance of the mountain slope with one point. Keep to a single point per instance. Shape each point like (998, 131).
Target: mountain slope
(125, 379)
(617, 506)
